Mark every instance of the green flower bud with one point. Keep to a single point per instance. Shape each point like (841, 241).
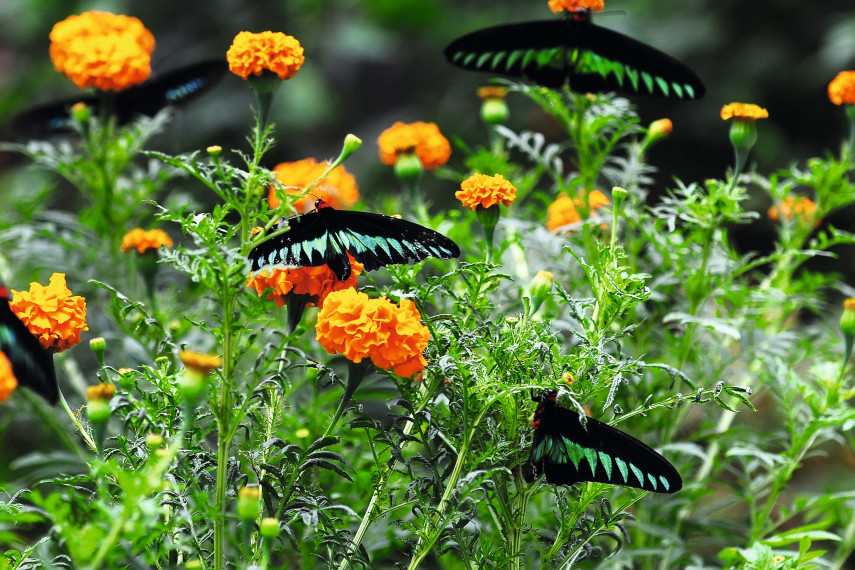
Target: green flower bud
(249, 502)
(269, 527)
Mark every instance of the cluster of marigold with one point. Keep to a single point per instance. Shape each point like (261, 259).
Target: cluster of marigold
(112, 52)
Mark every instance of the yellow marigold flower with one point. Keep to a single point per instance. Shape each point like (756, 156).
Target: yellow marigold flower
(573, 5)
(317, 282)
(432, 148)
(204, 364)
(743, 111)
(143, 240)
(8, 382)
(801, 207)
(98, 49)
(565, 210)
(52, 313)
(338, 188)
(102, 391)
(251, 54)
(485, 191)
(842, 88)
(357, 327)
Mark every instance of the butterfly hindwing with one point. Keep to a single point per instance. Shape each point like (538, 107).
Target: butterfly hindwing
(325, 237)
(32, 365)
(568, 453)
(574, 51)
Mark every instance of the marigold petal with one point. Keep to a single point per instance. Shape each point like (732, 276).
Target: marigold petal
(573, 5)
(338, 189)
(432, 148)
(52, 313)
(8, 382)
(486, 191)
(102, 50)
(144, 240)
(252, 54)
(317, 282)
(743, 111)
(841, 89)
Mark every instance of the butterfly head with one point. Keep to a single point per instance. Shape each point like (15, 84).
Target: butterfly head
(581, 15)
(4, 293)
(320, 204)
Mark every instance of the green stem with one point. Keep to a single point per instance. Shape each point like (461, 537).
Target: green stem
(224, 433)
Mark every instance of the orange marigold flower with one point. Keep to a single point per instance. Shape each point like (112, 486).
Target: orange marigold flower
(339, 188)
(98, 49)
(8, 382)
(573, 5)
(743, 111)
(432, 148)
(143, 240)
(565, 210)
(52, 313)
(842, 88)
(357, 327)
(317, 282)
(251, 54)
(485, 191)
(802, 208)
(204, 364)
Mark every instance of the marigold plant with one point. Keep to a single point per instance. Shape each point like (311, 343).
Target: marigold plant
(432, 148)
(339, 188)
(252, 54)
(358, 327)
(52, 313)
(98, 49)
(8, 382)
(486, 191)
(317, 282)
(573, 5)
(841, 89)
(143, 240)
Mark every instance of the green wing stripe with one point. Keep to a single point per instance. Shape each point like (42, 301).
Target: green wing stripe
(484, 58)
(512, 59)
(497, 60)
(638, 474)
(663, 85)
(606, 461)
(665, 483)
(632, 74)
(678, 89)
(574, 452)
(621, 464)
(591, 456)
(648, 81)
(652, 480)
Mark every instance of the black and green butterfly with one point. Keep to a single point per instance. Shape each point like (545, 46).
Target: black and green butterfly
(172, 88)
(574, 51)
(325, 236)
(32, 365)
(567, 452)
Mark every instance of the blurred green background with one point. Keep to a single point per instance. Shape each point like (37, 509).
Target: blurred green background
(372, 62)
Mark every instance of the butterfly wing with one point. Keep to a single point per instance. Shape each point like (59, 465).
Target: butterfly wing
(568, 453)
(32, 365)
(590, 58)
(325, 237)
(175, 87)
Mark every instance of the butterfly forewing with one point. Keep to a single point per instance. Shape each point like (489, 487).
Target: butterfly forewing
(325, 237)
(584, 56)
(32, 365)
(173, 88)
(568, 453)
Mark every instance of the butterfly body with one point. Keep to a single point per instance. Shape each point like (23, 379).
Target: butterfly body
(567, 452)
(172, 88)
(32, 365)
(326, 235)
(576, 52)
